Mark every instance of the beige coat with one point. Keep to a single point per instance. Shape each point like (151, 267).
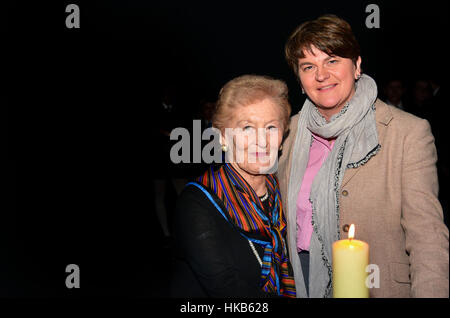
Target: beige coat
(392, 200)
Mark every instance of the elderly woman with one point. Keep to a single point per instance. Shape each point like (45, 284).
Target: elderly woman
(350, 158)
(230, 227)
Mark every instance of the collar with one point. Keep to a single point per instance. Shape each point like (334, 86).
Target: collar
(383, 114)
(324, 141)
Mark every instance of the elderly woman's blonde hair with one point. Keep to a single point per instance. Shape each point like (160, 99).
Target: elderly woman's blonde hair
(248, 89)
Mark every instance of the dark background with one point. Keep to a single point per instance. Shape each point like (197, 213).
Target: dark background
(80, 106)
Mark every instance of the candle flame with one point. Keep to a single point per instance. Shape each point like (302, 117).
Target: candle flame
(351, 231)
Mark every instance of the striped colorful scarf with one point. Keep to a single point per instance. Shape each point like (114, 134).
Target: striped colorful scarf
(245, 210)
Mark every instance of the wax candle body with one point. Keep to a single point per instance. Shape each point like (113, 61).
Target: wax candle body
(350, 259)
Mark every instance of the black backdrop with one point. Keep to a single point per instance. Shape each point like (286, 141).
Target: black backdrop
(77, 179)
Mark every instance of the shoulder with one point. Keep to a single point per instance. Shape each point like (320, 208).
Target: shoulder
(293, 124)
(193, 200)
(405, 134)
(291, 133)
(195, 214)
(400, 120)
(288, 142)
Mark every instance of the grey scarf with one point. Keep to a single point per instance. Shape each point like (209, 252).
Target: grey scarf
(356, 142)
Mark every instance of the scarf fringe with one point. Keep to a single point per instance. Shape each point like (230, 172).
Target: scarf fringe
(322, 252)
(325, 259)
(364, 160)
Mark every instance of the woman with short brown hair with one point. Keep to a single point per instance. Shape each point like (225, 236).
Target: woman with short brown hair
(350, 158)
(327, 33)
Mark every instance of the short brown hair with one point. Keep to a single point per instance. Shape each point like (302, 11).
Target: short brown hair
(247, 89)
(328, 33)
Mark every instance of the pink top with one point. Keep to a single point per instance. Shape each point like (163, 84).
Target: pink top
(318, 153)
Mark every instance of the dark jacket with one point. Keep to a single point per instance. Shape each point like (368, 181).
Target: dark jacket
(212, 258)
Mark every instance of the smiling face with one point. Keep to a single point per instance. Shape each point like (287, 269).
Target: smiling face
(253, 137)
(329, 81)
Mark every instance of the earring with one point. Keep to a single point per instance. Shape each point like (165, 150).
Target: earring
(281, 147)
(224, 148)
(303, 91)
(358, 77)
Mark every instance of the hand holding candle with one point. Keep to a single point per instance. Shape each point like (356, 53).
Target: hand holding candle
(350, 259)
